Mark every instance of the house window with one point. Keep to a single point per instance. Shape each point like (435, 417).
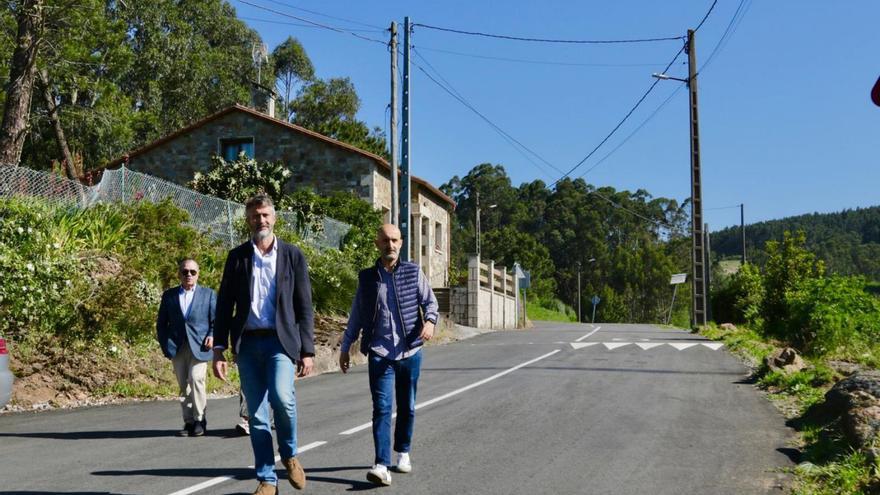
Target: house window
(230, 148)
(438, 236)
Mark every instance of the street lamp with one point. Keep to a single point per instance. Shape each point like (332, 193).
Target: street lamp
(579, 286)
(478, 222)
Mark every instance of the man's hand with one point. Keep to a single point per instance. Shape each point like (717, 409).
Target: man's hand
(304, 366)
(427, 331)
(209, 342)
(220, 364)
(344, 361)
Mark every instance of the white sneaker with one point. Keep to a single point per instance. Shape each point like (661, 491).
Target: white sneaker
(404, 465)
(243, 428)
(379, 475)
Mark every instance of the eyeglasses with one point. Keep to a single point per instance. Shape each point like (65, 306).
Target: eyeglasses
(189, 272)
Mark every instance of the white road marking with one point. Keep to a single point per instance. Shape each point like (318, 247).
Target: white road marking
(714, 345)
(682, 346)
(588, 335)
(650, 345)
(458, 391)
(220, 479)
(581, 345)
(614, 345)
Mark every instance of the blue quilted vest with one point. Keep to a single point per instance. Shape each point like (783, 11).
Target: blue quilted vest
(406, 288)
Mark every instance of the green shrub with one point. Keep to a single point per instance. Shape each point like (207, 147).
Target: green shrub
(833, 315)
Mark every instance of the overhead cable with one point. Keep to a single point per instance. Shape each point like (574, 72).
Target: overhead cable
(549, 40)
(537, 62)
(624, 119)
(461, 99)
(276, 2)
(317, 24)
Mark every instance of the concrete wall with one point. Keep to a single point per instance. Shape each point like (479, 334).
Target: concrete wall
(490, 300)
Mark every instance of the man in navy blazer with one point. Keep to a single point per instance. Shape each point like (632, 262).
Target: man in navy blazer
(265, 316)
(185, 330)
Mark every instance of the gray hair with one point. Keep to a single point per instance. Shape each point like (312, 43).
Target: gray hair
(258, 200)
(183, 262)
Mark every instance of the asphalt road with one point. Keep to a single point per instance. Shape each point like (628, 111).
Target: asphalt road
(558, 409)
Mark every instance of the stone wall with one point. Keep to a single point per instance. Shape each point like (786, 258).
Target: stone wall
(316, 163)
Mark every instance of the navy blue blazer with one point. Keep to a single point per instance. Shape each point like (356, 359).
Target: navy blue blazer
(294, 315)
(173, 330)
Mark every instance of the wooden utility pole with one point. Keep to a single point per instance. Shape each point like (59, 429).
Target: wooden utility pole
(700, 288)
(395, 201)
(405, 227)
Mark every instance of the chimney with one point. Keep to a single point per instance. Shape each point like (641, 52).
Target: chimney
(263, 99)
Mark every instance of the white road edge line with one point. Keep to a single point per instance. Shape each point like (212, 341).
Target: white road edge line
(463, 389)
(588, 335)
(220, 479)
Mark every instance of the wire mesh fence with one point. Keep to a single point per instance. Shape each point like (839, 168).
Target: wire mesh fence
(214, 216)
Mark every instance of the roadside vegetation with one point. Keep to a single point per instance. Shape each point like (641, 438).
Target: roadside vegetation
(550, 310)
(81, 287)
(833, 322)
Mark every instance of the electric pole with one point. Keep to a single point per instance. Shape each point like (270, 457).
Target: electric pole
(477, 226)
(708, 266)
(395, 200)
(742, 228)
(405, 164)
(698, 256)
(579, 291)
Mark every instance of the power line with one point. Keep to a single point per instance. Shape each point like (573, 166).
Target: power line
(548, 40)
(722, 207)
(624, 119)
(711, 7)
(728, 32)
(636, 130)
(317, 24)
(461, 99)
(659, 223)
(276, 2)
(537, 62)
(299, 24)
(639, 102)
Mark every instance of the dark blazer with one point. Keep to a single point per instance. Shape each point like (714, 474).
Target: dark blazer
(173, 329)
(294, 317)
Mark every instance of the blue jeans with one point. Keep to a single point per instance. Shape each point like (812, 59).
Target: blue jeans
(397, 379)
(267, 375)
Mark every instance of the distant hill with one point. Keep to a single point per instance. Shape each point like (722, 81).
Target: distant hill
(848, 241)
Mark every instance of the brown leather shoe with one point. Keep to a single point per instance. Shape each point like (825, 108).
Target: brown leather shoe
(266, 489)
(295, 473)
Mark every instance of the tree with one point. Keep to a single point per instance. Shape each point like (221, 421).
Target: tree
(789, 264)
(292, 67)
(239, 180)
(329, 108)
(22, 71)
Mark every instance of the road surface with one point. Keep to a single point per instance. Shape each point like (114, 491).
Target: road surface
(558, 409)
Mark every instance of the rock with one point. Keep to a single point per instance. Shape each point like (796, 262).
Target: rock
(845, 368)
(856, 400)
(728, 327)
(786, 360)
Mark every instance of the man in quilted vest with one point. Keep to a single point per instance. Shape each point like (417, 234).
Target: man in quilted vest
(394, 312)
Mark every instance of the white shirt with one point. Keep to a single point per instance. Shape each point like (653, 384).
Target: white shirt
(263, 286)
(186, 298)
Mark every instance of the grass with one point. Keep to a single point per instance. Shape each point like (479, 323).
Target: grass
(536, 312)
(831, 466)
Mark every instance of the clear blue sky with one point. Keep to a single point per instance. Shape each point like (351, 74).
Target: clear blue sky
(786, 119)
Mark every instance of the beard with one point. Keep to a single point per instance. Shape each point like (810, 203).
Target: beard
(262, 234)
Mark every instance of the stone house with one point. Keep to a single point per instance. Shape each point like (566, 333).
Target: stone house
(317, 161)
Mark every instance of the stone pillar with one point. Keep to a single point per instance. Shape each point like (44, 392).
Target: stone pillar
(473, 291)
(491, 294)
(503, 271)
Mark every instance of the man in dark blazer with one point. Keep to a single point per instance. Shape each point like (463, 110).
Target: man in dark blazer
(185, 330)
(265, 316)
